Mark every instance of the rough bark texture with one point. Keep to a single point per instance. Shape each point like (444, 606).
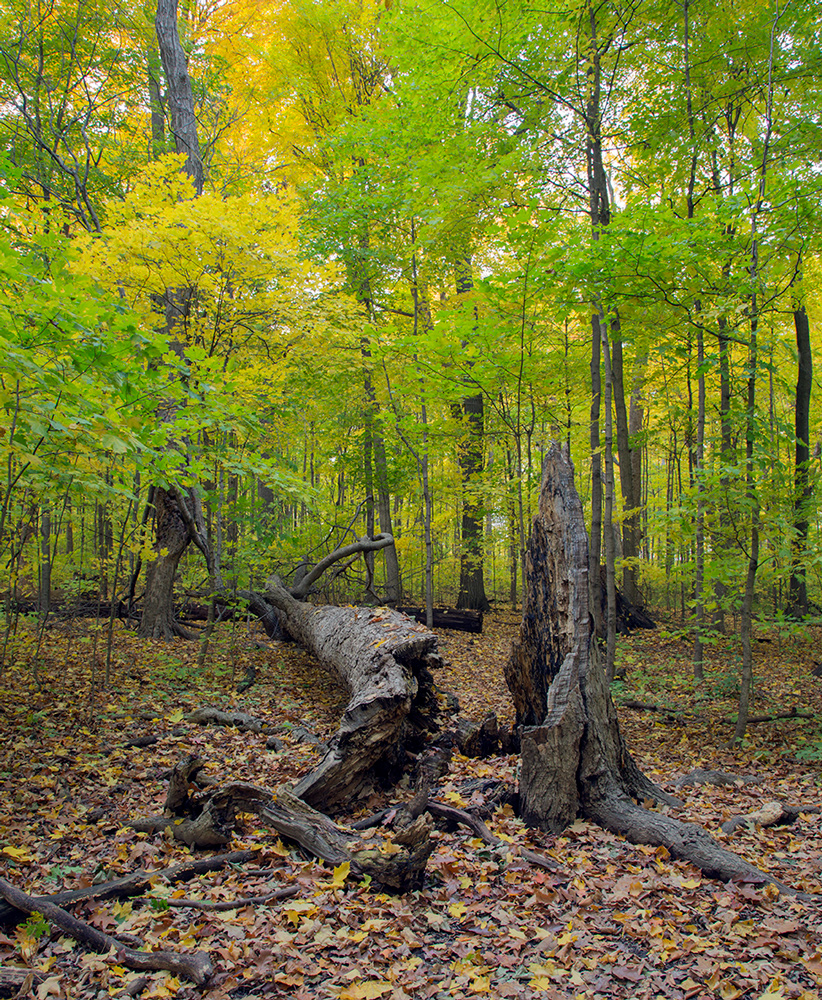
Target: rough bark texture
(574, 760)
(171, 540)
(798, 594)
(179, 92)
(385, 660)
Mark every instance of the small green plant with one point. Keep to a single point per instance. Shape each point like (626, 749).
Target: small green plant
(811, 747)
(726, 685)
(35, 927)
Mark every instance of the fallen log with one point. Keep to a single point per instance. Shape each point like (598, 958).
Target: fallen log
(768, 814)
(628, 616)
(459, 620)
(574, 760)
(195, 966)
(19, 982)
(701, 776)
(239, 720)
(385, 660)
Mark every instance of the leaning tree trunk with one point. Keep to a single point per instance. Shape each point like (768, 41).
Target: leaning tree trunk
(384, 659)
(574, 761)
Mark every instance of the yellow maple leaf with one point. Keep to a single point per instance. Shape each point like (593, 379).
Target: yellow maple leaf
(341, 874)
(18, 853)
(367, 990)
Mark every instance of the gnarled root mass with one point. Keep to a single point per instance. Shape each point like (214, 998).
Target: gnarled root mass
(206, 818)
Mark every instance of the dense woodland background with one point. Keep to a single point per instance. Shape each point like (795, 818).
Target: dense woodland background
(399, 248)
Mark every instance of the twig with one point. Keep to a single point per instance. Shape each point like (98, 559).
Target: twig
(481, 830)
(230, 904)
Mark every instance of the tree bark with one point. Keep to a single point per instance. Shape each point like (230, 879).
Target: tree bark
(385, 660)
(179, 93)
(470, 453)
(171, 540)
(798, 599)
(195, 965)
(205, 819)
(574, 761)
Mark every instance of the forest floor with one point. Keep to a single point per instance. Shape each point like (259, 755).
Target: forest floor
(617, 921)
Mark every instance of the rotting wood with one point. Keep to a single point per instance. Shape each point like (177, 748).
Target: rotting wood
(204, 817)
(456, 619)
(574, 761)
(218, 905)
(791, 713)
(19, 982)
(768, 814)
(195, 966)
(208, 715)
(701, 776)
(385, 661)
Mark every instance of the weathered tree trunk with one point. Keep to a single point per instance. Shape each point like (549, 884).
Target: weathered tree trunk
(178, 90)
(574, 760)
(171, 540)
(384, 659)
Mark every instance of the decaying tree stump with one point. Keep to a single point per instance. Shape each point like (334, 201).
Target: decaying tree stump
(385, 660)
(574, 761)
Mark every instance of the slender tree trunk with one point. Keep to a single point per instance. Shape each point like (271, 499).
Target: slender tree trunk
(699, 540)
(608, 521)
(629, 469)
(798, 593)
(44, 587)
(600, 215)
(393, 584)
(746, 686)
(470, 453)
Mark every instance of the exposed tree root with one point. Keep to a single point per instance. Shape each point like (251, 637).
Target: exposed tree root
(135, 884)
(195, 966)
